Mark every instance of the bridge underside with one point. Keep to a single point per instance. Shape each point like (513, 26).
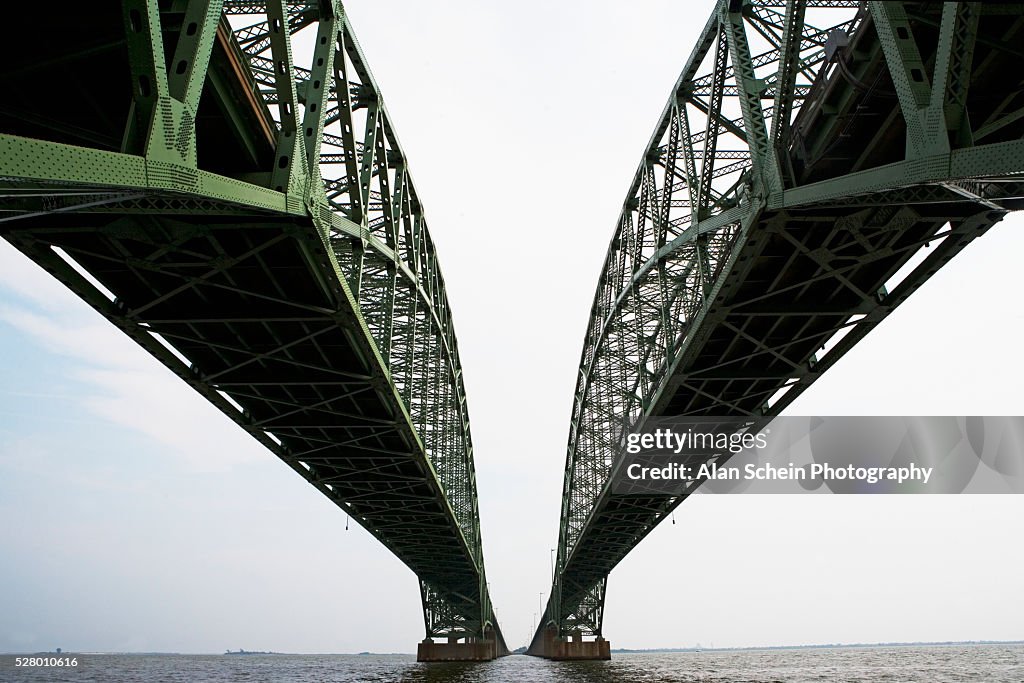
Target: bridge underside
(177, 185)
(272, 346)
(770, 324)
(740, 272)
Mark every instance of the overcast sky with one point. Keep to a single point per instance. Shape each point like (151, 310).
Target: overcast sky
(137, 517)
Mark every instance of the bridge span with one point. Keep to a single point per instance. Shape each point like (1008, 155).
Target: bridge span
(817, 161)
(221, 181)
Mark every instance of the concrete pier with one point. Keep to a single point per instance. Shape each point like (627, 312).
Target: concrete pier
(554, 647)
(472, 650)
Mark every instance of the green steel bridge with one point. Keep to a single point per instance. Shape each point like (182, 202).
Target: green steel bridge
(222, 182)
(224, 185)
(817, 161)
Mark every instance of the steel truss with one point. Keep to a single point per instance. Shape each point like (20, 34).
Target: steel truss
(809, 154)
(257, 225)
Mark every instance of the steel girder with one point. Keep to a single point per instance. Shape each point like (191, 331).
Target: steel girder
(809, 154)
(260, 234)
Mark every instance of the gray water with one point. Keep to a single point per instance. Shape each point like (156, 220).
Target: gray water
(934, 664)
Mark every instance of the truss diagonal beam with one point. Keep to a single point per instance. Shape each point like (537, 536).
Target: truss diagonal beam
(735, 278)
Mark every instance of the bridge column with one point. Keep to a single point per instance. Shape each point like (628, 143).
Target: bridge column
(471, 650)
(553, 646)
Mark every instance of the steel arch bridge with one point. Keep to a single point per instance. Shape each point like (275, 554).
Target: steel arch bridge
(817, 161)
(222, 181)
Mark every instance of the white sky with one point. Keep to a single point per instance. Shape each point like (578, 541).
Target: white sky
(136, 517)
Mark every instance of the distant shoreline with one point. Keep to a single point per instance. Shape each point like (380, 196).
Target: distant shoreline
(821, 646)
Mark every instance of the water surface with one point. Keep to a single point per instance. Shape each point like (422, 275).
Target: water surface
(934, 664)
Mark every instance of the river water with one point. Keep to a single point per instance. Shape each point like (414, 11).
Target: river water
(931, 664)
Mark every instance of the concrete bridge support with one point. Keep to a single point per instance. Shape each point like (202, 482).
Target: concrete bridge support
(573, 647)
(470, 650)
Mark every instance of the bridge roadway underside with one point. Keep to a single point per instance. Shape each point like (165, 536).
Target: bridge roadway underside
(771, 316)
(807, 279)
(242, 299)
(278, 341)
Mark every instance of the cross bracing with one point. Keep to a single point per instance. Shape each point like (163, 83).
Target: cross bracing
(229, 174)
(815, 164)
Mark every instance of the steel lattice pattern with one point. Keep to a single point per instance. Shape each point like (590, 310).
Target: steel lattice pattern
(257, 226)
(252, 223)
(803, 160)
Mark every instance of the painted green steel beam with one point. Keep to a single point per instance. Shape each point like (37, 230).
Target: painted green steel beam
(687, 237)
(399, 315)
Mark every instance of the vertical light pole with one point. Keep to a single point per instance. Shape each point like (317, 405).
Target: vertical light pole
(552, 565)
